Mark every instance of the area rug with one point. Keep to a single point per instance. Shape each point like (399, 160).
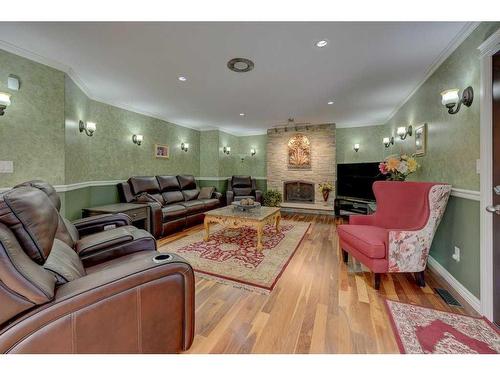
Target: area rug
(420, 330)
(230, 256)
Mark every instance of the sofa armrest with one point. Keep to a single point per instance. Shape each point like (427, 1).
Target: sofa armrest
(258, 196)
(128, 305)
(229, 197)
(98, 223)
(218, 196)
(362, 219)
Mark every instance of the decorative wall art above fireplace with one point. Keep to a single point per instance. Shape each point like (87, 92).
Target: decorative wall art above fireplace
(299, 152)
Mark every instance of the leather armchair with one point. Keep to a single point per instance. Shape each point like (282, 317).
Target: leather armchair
(51, 303)
(97, 238)
(398, 237)
(240, 187)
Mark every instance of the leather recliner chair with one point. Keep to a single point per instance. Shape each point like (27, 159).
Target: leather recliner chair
(97, 238)
(240, 187)
(50, 303)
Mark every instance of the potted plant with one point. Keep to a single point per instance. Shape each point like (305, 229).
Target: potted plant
(272, 198)
(398, 167)
(325, 188)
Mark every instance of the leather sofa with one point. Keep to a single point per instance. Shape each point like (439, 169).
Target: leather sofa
(88, 236)
(50, 302)
(240, 187)
(173, 200)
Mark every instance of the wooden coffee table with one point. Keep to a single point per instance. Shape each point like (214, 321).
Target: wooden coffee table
(234, 218)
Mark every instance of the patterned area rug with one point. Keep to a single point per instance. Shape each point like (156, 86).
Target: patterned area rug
(420, 330)
(230, 256)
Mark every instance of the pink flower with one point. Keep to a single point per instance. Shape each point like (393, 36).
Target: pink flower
(382, 168)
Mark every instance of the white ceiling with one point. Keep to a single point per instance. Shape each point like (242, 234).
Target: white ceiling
(368, 69)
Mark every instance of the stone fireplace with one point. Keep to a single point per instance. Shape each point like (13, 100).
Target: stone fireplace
(297, 172)
(298, 192)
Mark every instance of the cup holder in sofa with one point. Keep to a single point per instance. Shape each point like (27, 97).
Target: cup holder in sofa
(162, 258)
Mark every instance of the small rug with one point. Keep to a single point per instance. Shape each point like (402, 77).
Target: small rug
(420, 330)
(231, 257)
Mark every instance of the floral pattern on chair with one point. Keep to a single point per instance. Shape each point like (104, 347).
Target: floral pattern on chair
(409, 250)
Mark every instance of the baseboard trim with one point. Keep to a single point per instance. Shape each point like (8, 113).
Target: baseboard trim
(470, 298)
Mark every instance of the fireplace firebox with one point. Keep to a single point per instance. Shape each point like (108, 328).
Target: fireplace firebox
(298, 191)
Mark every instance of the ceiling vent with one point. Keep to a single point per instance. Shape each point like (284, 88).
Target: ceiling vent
(240, 65)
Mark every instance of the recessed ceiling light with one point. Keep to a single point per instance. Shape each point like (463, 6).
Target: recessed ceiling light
(182, 79)
(242, 114)
(330, 102)
(240, 65)
(321, 43)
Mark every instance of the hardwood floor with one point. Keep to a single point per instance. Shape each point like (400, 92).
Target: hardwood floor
(320, 305)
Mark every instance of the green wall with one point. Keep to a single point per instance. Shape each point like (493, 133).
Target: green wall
(32, 129)
(369, 138)
(453, 140)
(111, 155)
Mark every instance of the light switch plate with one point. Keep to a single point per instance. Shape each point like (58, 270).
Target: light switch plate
(6, 166)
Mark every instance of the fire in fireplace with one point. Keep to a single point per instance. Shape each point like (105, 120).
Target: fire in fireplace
(298, 191)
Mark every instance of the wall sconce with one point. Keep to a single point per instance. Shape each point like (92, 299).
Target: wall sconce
(450, 99)
(226, 150)
(356, 147)
(4, 102)
(388, 141)
(184, 147)
(253, 151)
(88, 127)
(137, 139)
(403, 132)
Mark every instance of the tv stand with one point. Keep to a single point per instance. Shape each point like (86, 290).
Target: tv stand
(345, 206)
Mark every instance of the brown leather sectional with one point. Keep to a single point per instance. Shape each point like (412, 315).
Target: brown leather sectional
(132, 299)
(174, 201)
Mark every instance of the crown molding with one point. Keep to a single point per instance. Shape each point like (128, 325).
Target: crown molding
(491, 45)
(452, 46)
(347, 126)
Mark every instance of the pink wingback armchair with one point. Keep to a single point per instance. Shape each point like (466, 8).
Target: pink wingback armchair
(397, 238)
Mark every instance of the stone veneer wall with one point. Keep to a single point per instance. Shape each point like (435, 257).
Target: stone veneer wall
(323, 160)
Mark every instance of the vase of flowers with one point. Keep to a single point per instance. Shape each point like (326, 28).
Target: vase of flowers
(398, 167)
(325, 189)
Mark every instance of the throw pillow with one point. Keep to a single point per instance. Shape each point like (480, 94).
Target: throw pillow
(206, 192)
(146, 198)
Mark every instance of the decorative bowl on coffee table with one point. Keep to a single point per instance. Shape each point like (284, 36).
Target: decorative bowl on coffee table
(245, 207)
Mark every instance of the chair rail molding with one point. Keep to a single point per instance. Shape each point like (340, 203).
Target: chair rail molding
(487, 49)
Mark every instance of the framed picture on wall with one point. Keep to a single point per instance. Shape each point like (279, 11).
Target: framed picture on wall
(162, 152)
(420, 139)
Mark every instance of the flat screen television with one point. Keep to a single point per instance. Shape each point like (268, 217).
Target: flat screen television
(356, 180)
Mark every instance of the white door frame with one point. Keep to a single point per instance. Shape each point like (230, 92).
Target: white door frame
(487, 50)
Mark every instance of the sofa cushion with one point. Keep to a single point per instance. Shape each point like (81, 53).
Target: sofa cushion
(186, 182)
(194, 207)
(241, 181)
(369, 240)
(33, 219)
(190, 195)
(173, 211)
(64, 263)
(168, 183)
(210, 204)
(102, 240)
(206, 192)
(242, 191)
(148, 184)
(172, 197)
